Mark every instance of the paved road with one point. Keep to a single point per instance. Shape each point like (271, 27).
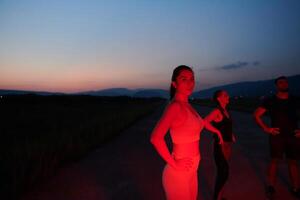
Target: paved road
(129, 168)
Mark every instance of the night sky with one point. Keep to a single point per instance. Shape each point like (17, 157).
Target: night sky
(72, 46)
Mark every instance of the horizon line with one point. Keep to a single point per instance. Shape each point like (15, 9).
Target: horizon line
(132, 89)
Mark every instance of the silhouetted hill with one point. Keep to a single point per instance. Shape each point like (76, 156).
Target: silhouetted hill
(245, 89)
(109, 92)
(141, 93)
(251, 89)
(25, 92)
(146, 93)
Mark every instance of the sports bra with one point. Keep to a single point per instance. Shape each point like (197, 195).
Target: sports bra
(224, 126)
(189, 130)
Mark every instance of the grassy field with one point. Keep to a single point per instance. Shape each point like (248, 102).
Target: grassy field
(39, 134)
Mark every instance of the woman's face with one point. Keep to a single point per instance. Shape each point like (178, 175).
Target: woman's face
(185, 82)
(223, 98)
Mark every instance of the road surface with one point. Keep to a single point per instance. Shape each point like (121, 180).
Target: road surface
(129, 168)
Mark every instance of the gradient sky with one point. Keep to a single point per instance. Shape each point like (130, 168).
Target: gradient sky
(70, 46)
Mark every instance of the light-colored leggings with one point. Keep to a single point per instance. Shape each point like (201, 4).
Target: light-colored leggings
(181, 185)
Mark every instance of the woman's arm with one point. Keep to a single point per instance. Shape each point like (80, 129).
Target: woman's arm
(160, 130)
(207, 121)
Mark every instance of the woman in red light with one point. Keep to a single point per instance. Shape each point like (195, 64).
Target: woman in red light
(180, 174)
(222, 121)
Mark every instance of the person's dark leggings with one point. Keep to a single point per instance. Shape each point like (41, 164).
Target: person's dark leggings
(222, 169)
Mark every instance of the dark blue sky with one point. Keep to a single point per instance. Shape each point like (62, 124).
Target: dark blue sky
(76, 45)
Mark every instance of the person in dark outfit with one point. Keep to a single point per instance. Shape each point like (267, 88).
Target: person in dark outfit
(222, 121)
(284, 134)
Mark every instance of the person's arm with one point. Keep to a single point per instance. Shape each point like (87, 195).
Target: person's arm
(258, 113)
(160, 130)
(297, 99)
(207, 122)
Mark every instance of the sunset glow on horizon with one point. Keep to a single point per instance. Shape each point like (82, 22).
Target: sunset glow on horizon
(74, 46)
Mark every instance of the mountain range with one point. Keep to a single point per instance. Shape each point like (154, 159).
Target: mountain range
(143, 93)
(252, 89)
(241, 89)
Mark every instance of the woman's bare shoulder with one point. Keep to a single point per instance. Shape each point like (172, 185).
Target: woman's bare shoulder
(216, 111)
(174, 106)
(174, 109)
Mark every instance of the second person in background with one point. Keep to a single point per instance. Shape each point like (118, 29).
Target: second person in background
(221, 119)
